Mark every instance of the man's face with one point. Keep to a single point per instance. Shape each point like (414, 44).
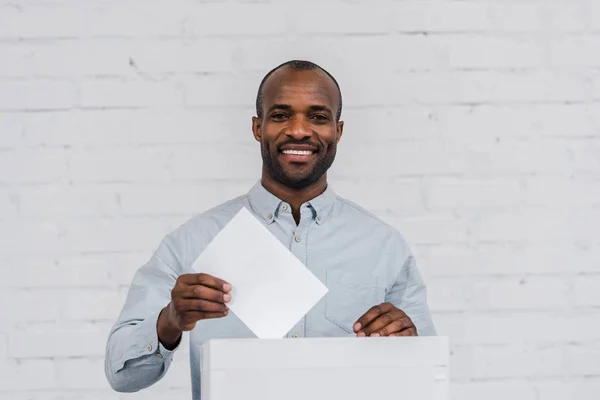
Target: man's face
(298, 132)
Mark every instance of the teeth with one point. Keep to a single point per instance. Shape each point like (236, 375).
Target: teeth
(298, 152)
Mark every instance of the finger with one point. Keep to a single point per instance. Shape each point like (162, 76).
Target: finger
(379, 323)
(371, 315)
(206, 293)
(206, 280)
(412, 331)
(396, 326)
(200, 305)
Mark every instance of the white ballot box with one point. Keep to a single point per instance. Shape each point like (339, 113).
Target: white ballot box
(349, 368)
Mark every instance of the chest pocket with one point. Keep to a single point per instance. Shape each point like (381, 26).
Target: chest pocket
(350, 296)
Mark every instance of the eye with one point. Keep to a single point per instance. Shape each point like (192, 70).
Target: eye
(320, 117)
(278, 116)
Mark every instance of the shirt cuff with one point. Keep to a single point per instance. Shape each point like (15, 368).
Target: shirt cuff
(149, 333)
(146, 343)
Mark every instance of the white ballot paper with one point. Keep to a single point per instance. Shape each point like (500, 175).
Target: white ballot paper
(271, 289)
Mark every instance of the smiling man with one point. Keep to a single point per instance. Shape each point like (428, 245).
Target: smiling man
(375, 288)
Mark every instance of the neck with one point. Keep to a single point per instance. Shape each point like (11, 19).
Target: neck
(294, 197)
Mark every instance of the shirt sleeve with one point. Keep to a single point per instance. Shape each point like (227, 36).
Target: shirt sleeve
(134, 358)
(409, 293)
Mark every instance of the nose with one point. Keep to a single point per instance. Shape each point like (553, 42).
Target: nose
(299, 128)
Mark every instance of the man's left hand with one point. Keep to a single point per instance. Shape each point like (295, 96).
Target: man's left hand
(385, 320)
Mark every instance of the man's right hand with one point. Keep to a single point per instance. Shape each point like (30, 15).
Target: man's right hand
(194, 297)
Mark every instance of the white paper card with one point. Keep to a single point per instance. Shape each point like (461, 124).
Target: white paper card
(272, 290)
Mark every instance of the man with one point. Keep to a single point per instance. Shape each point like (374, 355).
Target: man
(375, 288)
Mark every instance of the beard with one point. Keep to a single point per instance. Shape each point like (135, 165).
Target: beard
(297, 179)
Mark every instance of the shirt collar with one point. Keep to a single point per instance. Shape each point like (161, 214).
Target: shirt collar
(269, 206)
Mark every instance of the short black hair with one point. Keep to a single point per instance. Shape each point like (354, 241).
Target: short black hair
(301, 65)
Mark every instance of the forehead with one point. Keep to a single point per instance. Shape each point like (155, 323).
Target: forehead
(300, 88)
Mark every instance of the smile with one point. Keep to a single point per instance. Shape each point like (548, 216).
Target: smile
(298, 152)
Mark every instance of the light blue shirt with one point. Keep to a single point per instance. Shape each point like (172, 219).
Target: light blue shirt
(361, 259)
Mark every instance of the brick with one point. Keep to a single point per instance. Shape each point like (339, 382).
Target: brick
(44, 201)
(585, 155)
(81, 374)
(92, 304)
(122, 164)
(34, 305)
(134, 20)
(449, 193)
(543, 191)
(262, 54)
(32, 22)
(60, 272)
(398, 159)
(512, 361)
(474, 17)
(65, 59)
(473, 52)
(586, 290)
(377, 196)
(37, 95)
(136, 127)
(449, 294)
(512, 389)
(8, 204)
(430, 229)
(218, 90)
(449, 260)
(531, 227)
(367, 87)
(28, 375)
(491, 124)
(473, 87)
(171, 200)
(489, 327)
(129, 94)
(583, 359)
(574, 51)
(577, 389)
(501, 259)
(560, 258)
(400, 124)
(216, 162)
(125, 235)
(31, 237)
(547, 157)
(248, 19)
(33, 166)
(445, 17)
(58, 342)
(13, 129)
(532, 293)
(199, 55)
(358, 19)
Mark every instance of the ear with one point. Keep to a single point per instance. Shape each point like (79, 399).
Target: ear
(256, 128)
(339, 130)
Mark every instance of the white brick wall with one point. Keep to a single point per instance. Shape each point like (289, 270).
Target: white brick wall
(472, 126)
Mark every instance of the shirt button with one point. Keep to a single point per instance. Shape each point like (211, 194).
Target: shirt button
(319, 219)
(149, 347)
(270, 216)
(295, 336)
(284, 207)
(298, 239)
(159, 355)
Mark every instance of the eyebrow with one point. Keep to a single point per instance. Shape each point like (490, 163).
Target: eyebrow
(287, 107)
